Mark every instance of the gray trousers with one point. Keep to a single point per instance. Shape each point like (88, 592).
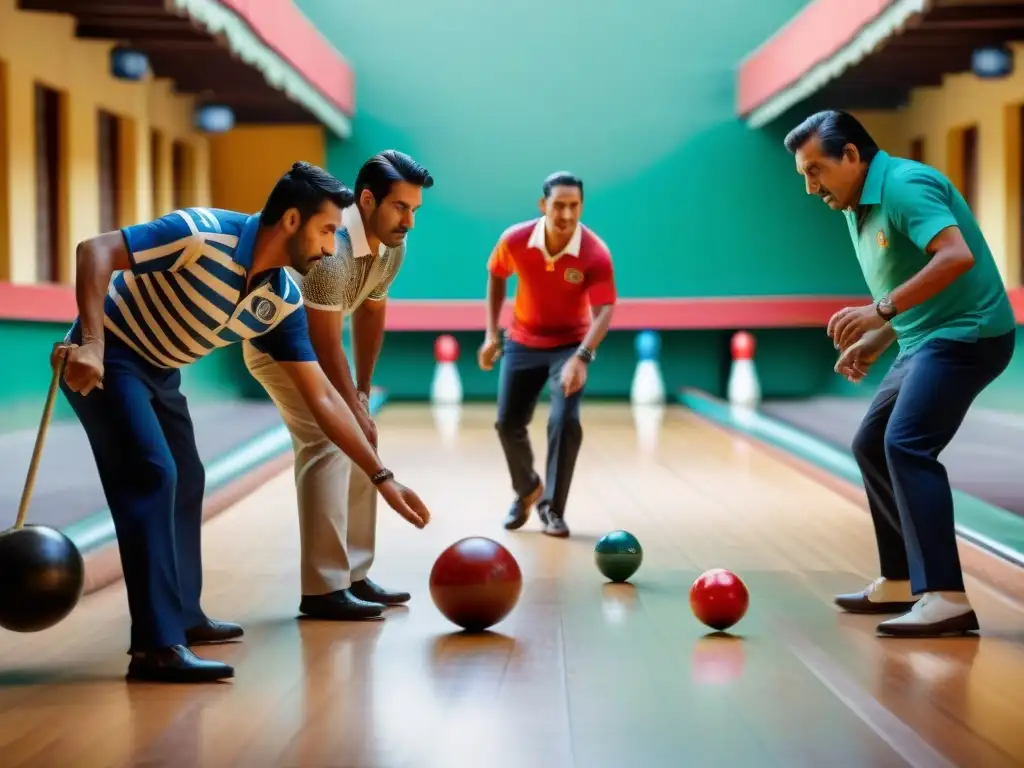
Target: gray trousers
(337, 502)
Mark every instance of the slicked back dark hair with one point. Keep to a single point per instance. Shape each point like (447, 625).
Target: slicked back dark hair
(305, 187)
(562, 179)
(834, 129)
(381, 171)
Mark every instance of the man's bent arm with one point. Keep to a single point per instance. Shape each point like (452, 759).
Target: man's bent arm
(950, 258)
(367, 340)
(496, 287)
(325, 334)
(166, 244)
(96, 261)
(332, 414)
(599, 327)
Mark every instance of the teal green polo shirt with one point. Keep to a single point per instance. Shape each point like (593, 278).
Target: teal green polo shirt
(903, 206)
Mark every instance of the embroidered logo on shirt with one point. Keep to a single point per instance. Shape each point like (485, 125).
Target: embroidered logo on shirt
(573, 276)
(880, 237)
(263, 308)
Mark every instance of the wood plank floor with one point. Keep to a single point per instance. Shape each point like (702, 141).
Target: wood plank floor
(582, 673)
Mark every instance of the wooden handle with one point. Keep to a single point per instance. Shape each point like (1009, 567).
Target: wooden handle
(37, 452)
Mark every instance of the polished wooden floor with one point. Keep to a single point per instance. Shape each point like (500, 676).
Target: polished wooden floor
(582, 673)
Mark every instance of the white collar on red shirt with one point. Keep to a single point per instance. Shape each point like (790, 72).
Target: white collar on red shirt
(537, 241)
(353, 222)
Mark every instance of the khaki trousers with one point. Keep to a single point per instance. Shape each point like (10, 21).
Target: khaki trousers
(337, 502)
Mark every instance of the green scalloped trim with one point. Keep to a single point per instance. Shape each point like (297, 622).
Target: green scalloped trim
(218, 20)
(867, 39)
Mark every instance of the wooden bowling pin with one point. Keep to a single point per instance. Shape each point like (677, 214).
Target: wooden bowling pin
(446, 388)
(744, 389)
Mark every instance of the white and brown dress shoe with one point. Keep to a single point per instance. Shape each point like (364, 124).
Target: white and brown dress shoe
(936, 614)
(880, 596)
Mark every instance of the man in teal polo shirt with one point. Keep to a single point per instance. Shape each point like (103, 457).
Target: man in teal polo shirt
(938, 292)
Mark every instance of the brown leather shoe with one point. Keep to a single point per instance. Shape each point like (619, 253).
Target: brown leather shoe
(957, 625)
(878, 598)
(519, 512)
(933, 616)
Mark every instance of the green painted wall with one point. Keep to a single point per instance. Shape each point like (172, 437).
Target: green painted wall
(791, 363)
(494, 96)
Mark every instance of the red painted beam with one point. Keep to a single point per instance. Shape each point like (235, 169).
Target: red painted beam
(56, 304)
(638, 314)
(283, 27)
(814, 35)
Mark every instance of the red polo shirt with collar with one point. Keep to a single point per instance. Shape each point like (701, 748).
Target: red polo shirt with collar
(555, 294)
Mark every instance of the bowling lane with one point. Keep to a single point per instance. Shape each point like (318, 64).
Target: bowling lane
(582, 673)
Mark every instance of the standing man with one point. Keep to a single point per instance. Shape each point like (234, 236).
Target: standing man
(938, 292)
(563, 306)
(184, 285)
(337, 504)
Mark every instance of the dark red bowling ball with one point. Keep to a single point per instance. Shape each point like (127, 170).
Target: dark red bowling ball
(475, 583)
(719, 598)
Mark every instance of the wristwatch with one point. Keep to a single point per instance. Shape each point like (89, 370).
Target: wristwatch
(586, 355)
(381, 476)
(885, 309)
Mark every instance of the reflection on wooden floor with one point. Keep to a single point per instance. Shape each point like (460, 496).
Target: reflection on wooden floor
(582, 673)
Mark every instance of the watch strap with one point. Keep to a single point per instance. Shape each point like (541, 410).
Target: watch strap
(885, 308)
(382, 476)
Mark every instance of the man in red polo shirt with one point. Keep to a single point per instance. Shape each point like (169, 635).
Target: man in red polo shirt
(563, 306)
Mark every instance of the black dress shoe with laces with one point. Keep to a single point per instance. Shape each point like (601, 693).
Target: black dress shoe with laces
(339, 606)
(211, 632)
(176, 664)
(374, 593)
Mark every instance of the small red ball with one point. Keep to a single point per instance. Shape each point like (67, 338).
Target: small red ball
(719, 598)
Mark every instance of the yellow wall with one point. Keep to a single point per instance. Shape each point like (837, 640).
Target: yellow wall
(246, 162)
(41, 47)
(937, 115)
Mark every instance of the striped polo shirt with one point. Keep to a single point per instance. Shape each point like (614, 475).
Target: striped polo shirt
(185, 294)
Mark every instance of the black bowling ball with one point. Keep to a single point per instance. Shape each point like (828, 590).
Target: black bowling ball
(42, 575)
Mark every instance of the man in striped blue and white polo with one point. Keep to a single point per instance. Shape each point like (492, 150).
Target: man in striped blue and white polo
(183, 285)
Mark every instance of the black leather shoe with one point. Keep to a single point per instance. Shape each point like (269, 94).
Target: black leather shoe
(176, 664)
(554, 523)
(519, 512)
(339, 606)
(374, 593)
(211, 632)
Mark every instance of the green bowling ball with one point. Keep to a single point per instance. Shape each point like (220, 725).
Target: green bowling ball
(618, 555)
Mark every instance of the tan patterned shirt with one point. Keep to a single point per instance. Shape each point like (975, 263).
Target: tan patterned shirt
(352, 275)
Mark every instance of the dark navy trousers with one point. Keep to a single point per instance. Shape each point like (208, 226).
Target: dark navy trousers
(144, 445)
(524, 371)
(917, 411)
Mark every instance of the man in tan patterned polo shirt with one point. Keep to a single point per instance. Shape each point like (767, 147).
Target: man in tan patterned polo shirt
(337, 503)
